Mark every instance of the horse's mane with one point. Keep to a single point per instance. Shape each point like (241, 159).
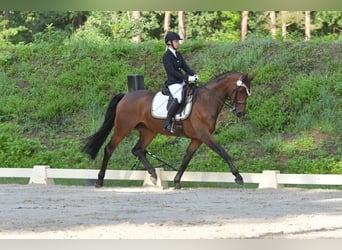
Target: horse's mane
(214, 80)
(220, 76)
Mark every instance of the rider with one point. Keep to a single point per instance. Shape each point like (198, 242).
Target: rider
(173, 62)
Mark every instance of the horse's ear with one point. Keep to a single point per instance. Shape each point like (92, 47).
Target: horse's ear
(244, 77)
(252, 77)
(247, 78)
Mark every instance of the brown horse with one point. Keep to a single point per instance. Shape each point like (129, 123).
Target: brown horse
(133, 111)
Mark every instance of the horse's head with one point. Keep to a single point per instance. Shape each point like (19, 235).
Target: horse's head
(240, 89)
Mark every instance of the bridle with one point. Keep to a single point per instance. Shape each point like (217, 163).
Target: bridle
(231, 104)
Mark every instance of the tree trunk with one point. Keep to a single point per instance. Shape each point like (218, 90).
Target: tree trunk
(181, 25)
(307, 25)
(79, 20)
(273, 24)
(244, 24)
(167, 20)
(7, 17)
(283, 24)
(136, 17)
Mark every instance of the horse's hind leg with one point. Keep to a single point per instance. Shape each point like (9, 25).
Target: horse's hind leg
(146, 137)
(108, 151)
(193, 146)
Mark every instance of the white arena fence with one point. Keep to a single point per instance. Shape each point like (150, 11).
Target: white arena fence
(266, 179)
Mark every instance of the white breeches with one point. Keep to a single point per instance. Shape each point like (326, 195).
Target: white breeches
(176, 90)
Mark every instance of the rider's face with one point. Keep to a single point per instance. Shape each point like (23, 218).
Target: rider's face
(175, 44)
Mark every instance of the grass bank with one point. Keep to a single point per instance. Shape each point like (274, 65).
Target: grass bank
(54, 94)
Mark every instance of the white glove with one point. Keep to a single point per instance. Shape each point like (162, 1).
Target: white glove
(193, 78)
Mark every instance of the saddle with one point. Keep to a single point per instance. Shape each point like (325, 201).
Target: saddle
(163, 98)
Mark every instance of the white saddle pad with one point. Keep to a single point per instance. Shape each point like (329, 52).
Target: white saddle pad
(159, 109)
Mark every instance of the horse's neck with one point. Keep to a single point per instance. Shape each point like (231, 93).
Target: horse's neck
(219, 89)
(215, 95)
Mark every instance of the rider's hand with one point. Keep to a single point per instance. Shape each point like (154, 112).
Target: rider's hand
(193, 78)
(197, 77)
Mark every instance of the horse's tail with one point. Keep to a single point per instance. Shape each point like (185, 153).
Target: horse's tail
(94, 142)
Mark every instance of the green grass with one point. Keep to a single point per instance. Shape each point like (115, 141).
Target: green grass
(54, 95)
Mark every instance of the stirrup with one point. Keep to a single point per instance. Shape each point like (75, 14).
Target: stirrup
(169, 127)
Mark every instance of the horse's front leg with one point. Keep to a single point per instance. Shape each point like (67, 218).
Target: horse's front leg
(233, 169)
(193, 146)
(215, 146)
(221, 152)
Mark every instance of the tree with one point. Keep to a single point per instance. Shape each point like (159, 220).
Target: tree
(167, 21)
(283, 15)
(136, 17)
(273, 24)
(307, 25)
(244, 24)
(291, 21)
(181, 25)
(327, 23)
(79, 18)
(7, 17)
(31, 26)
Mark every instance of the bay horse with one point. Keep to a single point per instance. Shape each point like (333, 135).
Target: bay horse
(130, 111)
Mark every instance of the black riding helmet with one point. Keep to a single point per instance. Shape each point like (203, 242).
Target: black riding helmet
(170, 36)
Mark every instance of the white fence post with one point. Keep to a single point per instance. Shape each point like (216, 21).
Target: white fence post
(39, 176)
(269, 179)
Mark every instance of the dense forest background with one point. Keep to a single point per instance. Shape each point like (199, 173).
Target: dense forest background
(59, 70)
(19, 26)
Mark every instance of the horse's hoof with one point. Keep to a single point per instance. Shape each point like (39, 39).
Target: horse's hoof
(239, 180)
(177, 186)
(98, 184)
(153, 180)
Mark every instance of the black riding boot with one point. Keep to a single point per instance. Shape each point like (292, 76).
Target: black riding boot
(171, 113)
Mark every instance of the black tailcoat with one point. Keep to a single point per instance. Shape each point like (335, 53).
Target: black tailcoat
(174, 66)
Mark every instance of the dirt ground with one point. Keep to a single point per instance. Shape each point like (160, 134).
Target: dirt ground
(81, 212)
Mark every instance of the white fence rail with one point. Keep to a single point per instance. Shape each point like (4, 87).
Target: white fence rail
(266, 179)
